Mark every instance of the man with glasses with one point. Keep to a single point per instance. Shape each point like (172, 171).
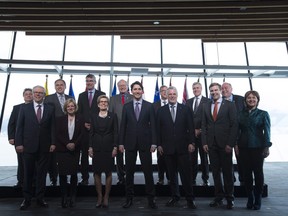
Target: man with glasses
(35, 139)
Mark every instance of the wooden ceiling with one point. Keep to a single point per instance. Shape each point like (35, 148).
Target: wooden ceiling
(211, 21)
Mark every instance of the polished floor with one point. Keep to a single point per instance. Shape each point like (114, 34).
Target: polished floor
(276, 177)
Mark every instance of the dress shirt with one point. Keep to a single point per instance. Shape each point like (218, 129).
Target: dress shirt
(164, 102)
(219, 101)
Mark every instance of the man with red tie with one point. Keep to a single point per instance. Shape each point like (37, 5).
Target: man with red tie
(116, 106)
(219, 132)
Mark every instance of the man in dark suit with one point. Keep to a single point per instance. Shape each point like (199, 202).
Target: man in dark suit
(219, 132)
(27, 95)
(138, 134)
(175, 141)
(226, 90)
(87, 104)
(56, 100)
(196, 105)
(161, 165)
(35, 139)
(116, 106)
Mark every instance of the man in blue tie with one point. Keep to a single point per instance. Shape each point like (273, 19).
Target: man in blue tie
(138, 135)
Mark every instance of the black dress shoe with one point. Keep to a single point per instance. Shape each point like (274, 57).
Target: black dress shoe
(83, 182)
(216, 203)
(98, 205)
(128, 203)
(64, 203)
(230, 204)
(53, 183)
(120, 182)
(42, 203)
(191, 204)
(160, 182)
(25, 204)
(172, 202)
(206, 183)
(72, 203)
(152, 204)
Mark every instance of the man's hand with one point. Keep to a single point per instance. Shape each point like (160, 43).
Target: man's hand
(121, 148)
(160, 150)
(153, 148)
(70, 146)
(11, 141)
(205, 148)
(90, 152)
(191, 148)
(52, 148)
(20, 149)
(228, 149)
(87, 126)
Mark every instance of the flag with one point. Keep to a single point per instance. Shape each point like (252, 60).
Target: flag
(185, 93)
(170, 83)
(46, 85)
(143, 96)
(157, 94)
(71, 92)
(99, 84)
(128, 90)
(114, 91)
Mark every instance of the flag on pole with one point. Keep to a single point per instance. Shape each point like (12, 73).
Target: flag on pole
(46, 85)
(143, 96)
(156, 94)
(71, 92)
(128, 90)
(114, 91)
(170, 83)
(99, 84)
(185, 93)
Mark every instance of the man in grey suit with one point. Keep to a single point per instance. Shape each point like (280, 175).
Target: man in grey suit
(138, 135)
(219, 132)
(196, 106)
(226, 90)
(175, 139)
(87, 104)
(56, 100)
(116, 106)
(35, 139)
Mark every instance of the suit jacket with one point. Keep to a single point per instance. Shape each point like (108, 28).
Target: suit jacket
(35, 136)
(62, 135)
(141, 132)
(13, 121)
(239, 103)
(104, 140)
(174, 137)
(53, 100)
(197, 116)
(224, 129)
(83, 105)
(157, 105)
(116, 106)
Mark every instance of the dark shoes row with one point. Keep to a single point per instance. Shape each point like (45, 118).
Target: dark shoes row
(129, 202)
(217, 203)
(40, 202)
(65, 203)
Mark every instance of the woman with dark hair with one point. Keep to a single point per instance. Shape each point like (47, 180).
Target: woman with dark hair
(103, 148)
(69, 133)
(253, 146)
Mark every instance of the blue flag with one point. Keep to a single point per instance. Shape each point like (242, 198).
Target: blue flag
(71, 92)
(114, 91)
(157, 93)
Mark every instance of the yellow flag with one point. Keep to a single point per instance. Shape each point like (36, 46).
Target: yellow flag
(46, 85)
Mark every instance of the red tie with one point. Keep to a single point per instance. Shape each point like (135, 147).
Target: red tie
(215, 111)
(122, 99)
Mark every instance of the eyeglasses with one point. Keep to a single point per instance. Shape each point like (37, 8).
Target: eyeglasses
(38, 92)
(90, 81)
(103, 101)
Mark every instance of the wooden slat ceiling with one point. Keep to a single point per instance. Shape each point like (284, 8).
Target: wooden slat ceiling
(211, 21)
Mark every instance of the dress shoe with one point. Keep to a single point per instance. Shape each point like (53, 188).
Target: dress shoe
(206, 183)
(25, 204)
(257, 203)
(121, 182)
(250, 200)
(128, 203)
(42, 203)
(64, 203)
(152, 204)
(98, 205)
(230, 204)
(172, 202)
(72, 203)
(160, 182)
(83, 182)
(191, 204)
(216, 203)
(53, 183)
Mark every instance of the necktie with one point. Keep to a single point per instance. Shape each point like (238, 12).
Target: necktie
(90, 98)
(62, 100)
(39, 112)
(215, 111)
(137, 110)
(196, 104)
(122, 99)
(173, 112)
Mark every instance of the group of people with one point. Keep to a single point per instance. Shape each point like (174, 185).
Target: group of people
(54, 133)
